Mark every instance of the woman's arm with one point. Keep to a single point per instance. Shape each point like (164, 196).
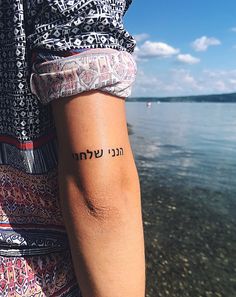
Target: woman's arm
(100, 195)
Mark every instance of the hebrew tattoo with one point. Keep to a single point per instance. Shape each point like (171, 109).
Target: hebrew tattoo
(98, 154)
(119, 151)
(90, 152)
(81, 156)
(113, 152)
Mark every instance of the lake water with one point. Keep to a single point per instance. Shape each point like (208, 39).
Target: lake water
(186, 157)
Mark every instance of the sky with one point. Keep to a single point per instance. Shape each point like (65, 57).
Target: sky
(184, 47)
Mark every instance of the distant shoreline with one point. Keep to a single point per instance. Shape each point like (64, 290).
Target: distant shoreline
(219, 98)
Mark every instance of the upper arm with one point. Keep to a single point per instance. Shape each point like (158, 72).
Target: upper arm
(93, 140)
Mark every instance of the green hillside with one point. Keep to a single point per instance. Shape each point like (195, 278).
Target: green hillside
(200, 98)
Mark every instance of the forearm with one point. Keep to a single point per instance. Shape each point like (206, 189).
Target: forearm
(100, 196)
(107, 241)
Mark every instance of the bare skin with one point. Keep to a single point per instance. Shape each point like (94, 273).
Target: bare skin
(100, 195)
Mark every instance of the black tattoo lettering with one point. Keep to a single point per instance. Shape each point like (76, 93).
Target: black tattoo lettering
(98, 154)
(90, 152)
(81, 156)
(113, 152)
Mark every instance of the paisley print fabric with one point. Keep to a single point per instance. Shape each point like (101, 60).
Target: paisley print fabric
(31, 220)
(38, 37)
(39, 276)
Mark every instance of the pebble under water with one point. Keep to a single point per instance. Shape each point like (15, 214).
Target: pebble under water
(186, 159)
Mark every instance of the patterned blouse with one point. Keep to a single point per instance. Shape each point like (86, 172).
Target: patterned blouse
(33, 32)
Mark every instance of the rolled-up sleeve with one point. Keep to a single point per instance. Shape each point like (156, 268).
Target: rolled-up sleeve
(60, 28)
(107, 70)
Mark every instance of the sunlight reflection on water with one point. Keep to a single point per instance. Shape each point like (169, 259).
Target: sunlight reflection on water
(186, 158)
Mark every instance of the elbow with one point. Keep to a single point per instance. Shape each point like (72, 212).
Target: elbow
(104, 204)
(98, 208)
(100, 194)
(109, 201)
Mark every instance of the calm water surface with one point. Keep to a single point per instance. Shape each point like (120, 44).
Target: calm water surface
(186, 157)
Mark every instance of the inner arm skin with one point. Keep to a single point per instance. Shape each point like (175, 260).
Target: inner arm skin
(100, 197)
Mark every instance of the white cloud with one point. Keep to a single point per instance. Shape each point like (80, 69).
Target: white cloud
(202, 43)
(137, 56)
(185, 79)
(173, 83)
(187, 59)
(233, 81)
(221, 86)
(151, 49)
(141, 37)
(233, 29)
(181, 82)
(223, 81)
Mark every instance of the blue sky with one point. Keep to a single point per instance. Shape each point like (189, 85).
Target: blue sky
(185, 47)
